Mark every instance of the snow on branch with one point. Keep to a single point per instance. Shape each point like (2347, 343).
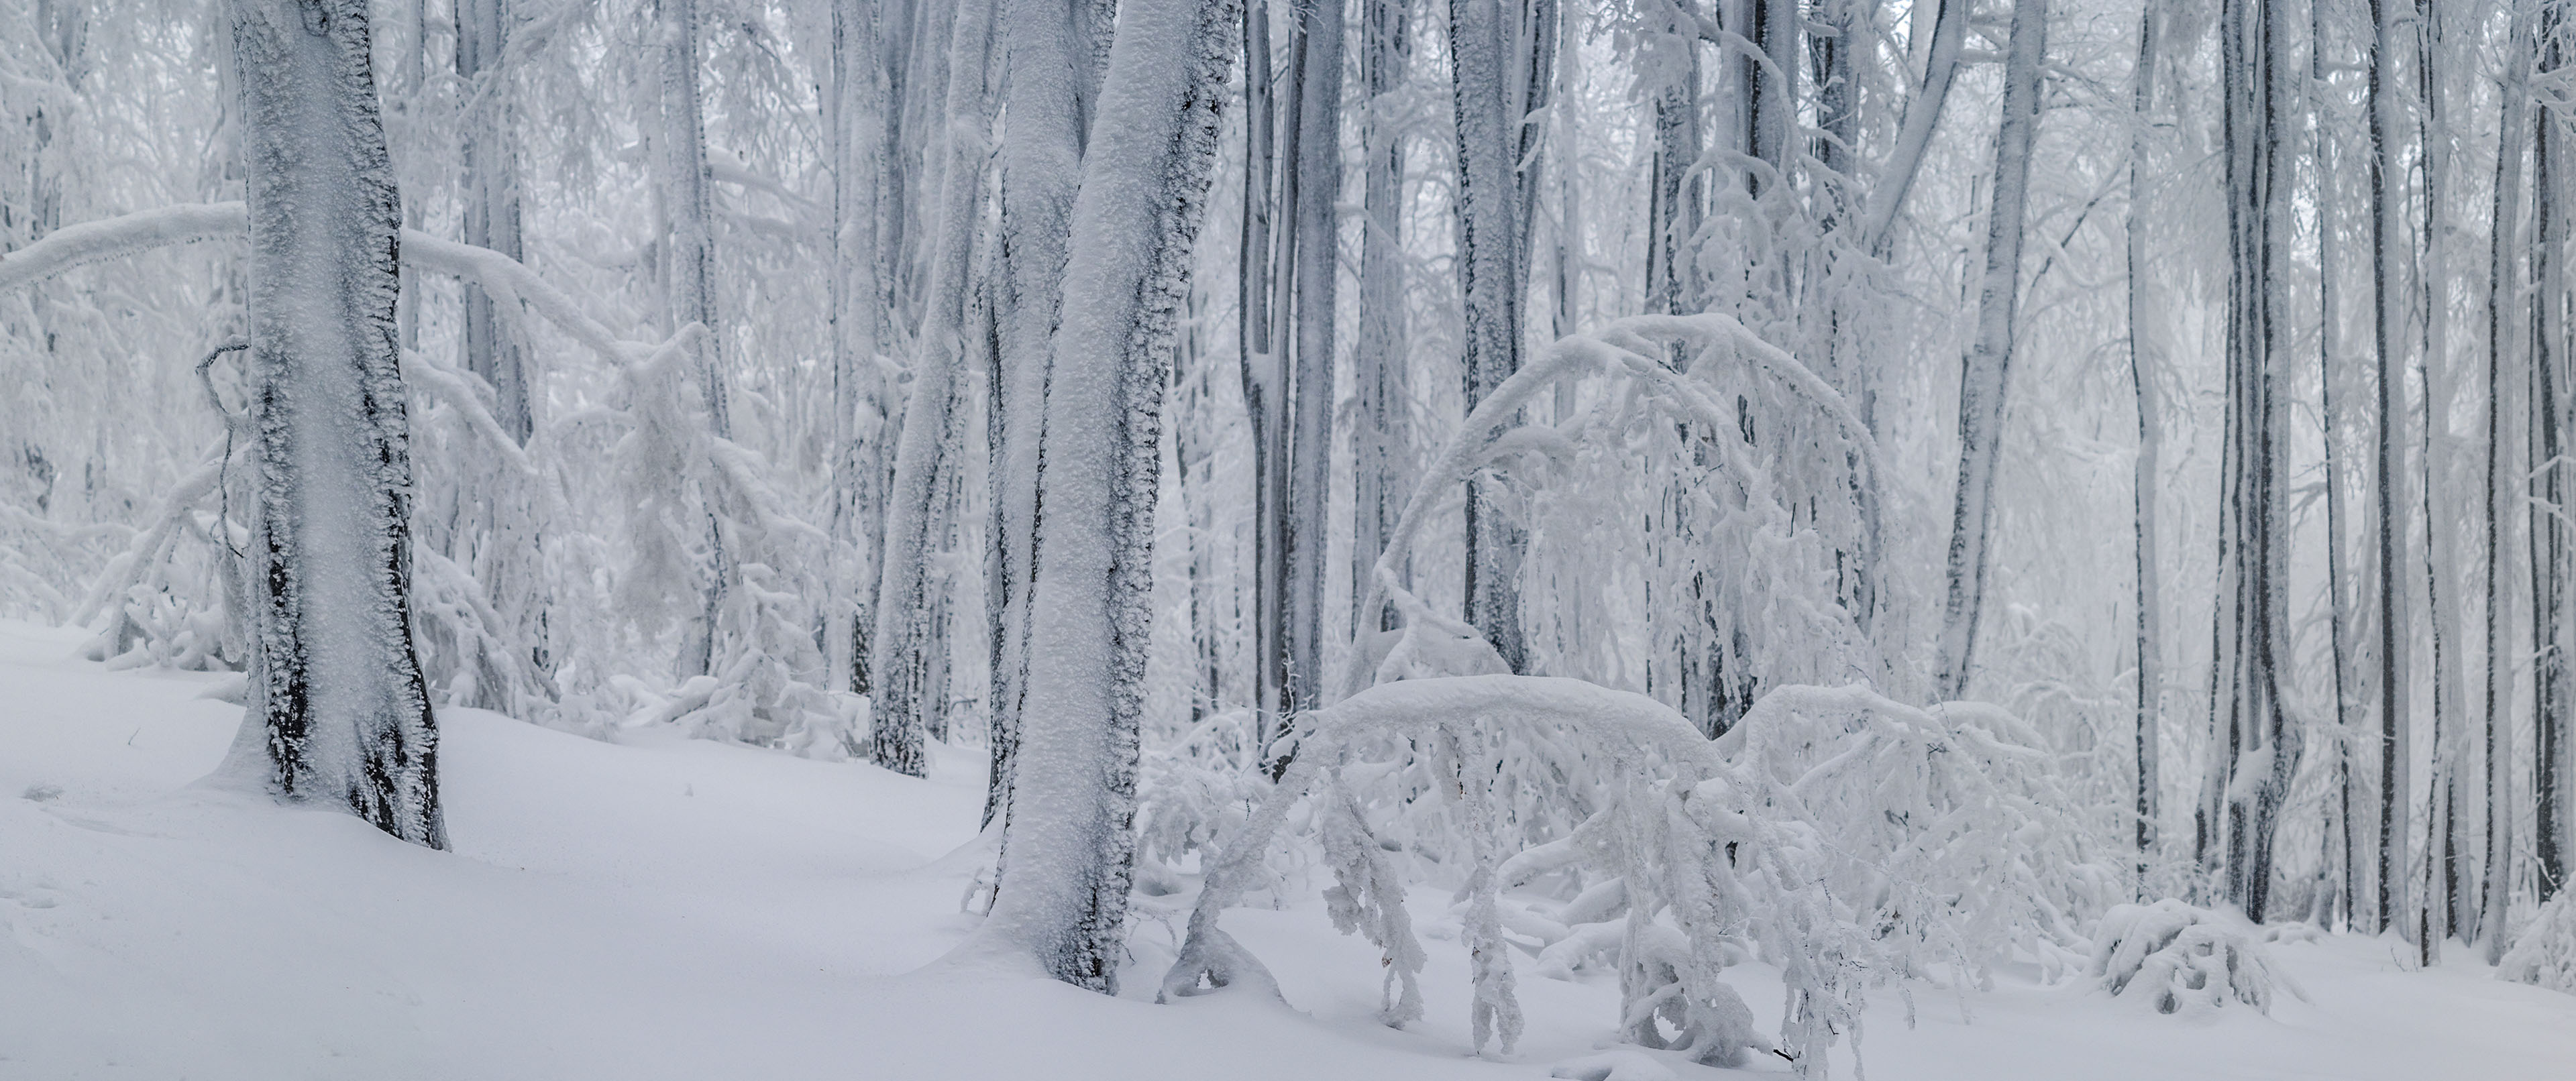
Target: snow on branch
(74, 246)
(1635, 348)
(1845, 837)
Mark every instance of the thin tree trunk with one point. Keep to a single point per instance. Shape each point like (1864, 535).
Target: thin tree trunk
(2329, 323)
(2150, 439)
(2395, 726)
(901, 663)
(1986, 373)
(857, 123)
(692, 282)
(1314, 236)
(1379, 440)
(2551, 698)
(1490, 279)
(339, 713)
(2503, 285)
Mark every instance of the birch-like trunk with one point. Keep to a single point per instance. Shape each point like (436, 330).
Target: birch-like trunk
(2551, 697)
(1986, 373)
(339, 713)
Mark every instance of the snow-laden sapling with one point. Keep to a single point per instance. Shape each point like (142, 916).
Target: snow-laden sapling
(2544, 954)
(2181, 959)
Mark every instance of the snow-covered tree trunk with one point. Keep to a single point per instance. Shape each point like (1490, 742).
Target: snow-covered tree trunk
(338, 709)
(2550, 574)
(2255, 749)
(491, 204)
(2150, 667)
(1922, 115)
(1490, 279)
(2503, 297)
(1265, 387)
(1986, 374)
(1135, 221)
(1041, 169)
(1314, 238)
(901, 664)
(2337, 845)
(690, 270)
(855, 115)
(1380, 437)
(2388, 310)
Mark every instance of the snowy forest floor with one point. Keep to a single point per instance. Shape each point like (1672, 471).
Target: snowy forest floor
(668, 908)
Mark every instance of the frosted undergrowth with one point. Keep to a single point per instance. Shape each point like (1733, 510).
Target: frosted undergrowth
(1846, 838)
(2181, 959)
(2545, 953)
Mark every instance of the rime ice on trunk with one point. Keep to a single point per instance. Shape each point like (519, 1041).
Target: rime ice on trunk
(1489, 272)
(1379, 439)
(906, 611)
(2388, 307)
(2150, 665)
(1983, 379)
(1041, 169)
(338, 707)
(1145, 175)
(682, 141)
(2254, 747)
(1314, 233)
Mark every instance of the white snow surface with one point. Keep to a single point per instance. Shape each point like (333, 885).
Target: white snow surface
(669, 908)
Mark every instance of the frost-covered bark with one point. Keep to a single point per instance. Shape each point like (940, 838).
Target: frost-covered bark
(2388, 308)
(690, 279)
(1314, 269)
(2551, 577)
(1490, 279)
(901, 664)
(339, 713)
(1135, 221)
(1380, 437)
(491, 202)
(1986, 374)
(856, 117)
(1041, 164)
(2503, 323)
(2255, 744)
(2144, 473)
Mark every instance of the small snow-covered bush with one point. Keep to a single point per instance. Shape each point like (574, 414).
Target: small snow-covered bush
(1847, 838)
(2544, 954)
(2181, 959)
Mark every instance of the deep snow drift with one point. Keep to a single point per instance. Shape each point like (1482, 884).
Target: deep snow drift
(680, 909)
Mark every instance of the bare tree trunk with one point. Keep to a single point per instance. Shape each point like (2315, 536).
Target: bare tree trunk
(1986, 373)
(2339, 841)
(338, 713)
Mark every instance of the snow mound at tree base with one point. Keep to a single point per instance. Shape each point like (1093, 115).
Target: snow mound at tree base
(2544, 955)
(2181, 959)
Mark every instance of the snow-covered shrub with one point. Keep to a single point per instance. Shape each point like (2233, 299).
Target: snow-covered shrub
(2181, 959)
(2544, 954)
(1847, 838)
